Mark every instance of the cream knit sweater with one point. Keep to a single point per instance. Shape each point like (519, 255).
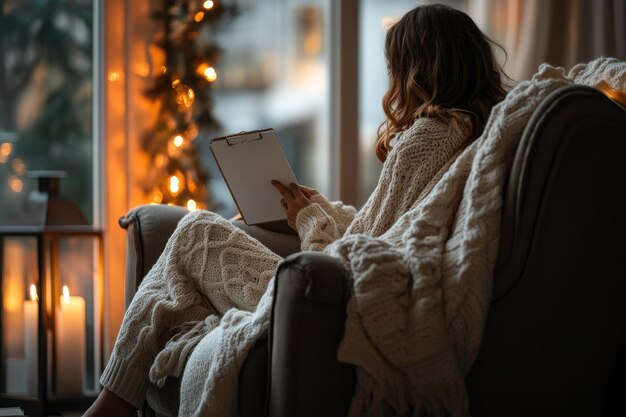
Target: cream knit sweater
(420, 252)
(209, 267)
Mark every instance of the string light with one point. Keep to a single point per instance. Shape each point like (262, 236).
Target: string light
(176, 178)
(19, 166)
(5, 151)
(186, 97)
(207, 72)
(174, 146)
(210, 74)
(15, 184)
(175, 185)
(114, 76)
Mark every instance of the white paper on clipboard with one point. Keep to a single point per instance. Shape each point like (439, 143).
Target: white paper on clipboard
(249, 161)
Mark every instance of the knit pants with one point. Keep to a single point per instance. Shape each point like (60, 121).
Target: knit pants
(208, 267)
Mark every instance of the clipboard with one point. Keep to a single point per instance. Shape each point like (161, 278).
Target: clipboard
(249, 161)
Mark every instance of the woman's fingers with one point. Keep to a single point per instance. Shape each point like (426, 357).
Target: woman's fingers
(309, 190)
(284, 191)
(296, 191)
(294, 199)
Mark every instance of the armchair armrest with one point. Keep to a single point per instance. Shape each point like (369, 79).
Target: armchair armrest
(148, 228)
(308, 319)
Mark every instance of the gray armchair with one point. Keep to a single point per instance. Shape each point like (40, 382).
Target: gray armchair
(555, 335)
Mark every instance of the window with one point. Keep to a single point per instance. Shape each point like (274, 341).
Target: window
(375, 17)
(274, 73)
(46, 100)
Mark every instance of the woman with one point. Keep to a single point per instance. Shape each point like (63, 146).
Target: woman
(444, 80)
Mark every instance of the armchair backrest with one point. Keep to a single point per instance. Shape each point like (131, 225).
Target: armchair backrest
(556, 329)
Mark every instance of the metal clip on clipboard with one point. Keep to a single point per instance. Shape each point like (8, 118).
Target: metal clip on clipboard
(243, 137)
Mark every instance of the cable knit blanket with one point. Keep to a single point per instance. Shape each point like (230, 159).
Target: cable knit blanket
(420, 291)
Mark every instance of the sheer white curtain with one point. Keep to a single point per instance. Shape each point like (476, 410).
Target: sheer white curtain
(560, 32)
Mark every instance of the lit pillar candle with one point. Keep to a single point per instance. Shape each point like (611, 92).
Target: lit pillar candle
(11, 328)
(70, 345)
(31, 311)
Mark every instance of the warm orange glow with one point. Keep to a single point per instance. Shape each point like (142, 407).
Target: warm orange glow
(156, 197)
(6, 149)
(178, 141)
(210, 74)
(186, 98)
(192, 131)
(19, 166)
(208, 4)
(174, 185)
(142, 69)
(13, 294)
(191, 205)
(163, 69)
(207, 71)
(175, 82)
(199, 16)
(612, 93)
(160, 160)
(66, 294)
(15, 184)
(114, 76)
(33, 292)
(191, 185)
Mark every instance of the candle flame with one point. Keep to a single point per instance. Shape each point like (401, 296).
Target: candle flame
(33, 292)
(66, 294)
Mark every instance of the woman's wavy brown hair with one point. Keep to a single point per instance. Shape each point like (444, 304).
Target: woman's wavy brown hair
(442, 66)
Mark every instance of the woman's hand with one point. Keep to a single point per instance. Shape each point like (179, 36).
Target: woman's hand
(308, 192)
(294, 199)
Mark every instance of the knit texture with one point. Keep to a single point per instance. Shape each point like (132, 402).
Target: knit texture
(420, 254)
(418, 159)
(208, 267)
(599, 71)
(421, 291)
(423, 152)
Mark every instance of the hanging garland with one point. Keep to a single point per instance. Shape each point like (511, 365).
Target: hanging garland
(182, 90)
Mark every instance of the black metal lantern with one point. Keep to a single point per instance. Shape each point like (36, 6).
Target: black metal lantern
(51, 272)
